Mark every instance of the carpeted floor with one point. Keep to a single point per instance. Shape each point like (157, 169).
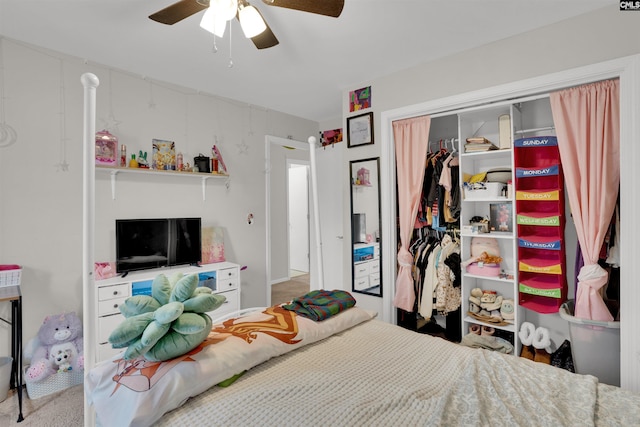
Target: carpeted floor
(62, 409)
(286, 291)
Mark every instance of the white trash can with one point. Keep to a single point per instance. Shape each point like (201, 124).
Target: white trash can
(5, 376)
(595, 346)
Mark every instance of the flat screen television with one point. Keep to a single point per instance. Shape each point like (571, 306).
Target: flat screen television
(157, 242)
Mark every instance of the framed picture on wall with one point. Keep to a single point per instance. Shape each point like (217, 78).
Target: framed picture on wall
(360, 130)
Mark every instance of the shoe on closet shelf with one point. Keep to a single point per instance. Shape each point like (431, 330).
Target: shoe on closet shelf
(474, 329)
(526, 334)
(488, 331)
(542, 345)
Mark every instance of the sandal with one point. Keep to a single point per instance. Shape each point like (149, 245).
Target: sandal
(488, 331)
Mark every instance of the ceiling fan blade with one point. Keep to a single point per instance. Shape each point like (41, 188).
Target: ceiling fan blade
(331, 8)
(177, 12)
(266, 38)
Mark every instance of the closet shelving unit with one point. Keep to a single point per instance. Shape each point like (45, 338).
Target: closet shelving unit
(526, 117)
(483, 121)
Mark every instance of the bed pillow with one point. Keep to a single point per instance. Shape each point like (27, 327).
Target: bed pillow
(138, 392)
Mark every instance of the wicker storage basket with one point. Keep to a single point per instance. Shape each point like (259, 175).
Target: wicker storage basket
(54, 383)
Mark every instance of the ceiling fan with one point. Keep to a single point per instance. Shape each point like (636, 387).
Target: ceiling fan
(251, 20)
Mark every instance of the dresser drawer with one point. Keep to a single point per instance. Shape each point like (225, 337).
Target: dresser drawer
(361, 269)
(227, 279)
(374, 280)
(110, 306)
(228, 273)
(111, 292)
(361, 283)
(229, 306)
(106, 325)
(374, 266)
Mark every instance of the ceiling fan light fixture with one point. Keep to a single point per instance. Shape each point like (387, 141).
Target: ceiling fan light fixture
(251, 21)
(225, 9)
(213, 23)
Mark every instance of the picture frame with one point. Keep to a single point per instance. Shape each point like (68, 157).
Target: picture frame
(360, 130)
(501, 217)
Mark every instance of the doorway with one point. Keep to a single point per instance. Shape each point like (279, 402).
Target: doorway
(279, 154)
(298, 213)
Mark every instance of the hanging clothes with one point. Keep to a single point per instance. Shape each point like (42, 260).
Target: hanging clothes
(448, 296)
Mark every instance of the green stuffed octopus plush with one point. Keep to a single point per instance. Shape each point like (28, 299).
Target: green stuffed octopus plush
(168, 323)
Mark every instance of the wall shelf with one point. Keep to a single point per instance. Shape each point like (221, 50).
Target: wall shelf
(115, 171)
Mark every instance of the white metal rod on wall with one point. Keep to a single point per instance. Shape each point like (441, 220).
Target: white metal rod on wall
(316, 209)
(90, 83)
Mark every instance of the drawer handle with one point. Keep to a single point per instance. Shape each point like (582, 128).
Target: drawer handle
(115, 305)
(229, 274)
(115, 292)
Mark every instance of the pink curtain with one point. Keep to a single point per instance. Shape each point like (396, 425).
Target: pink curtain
(412, 142)
(587, 120)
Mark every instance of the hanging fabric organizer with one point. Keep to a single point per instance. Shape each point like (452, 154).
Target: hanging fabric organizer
(540, 219)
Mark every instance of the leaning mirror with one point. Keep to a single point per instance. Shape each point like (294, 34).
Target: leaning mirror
(365, 226)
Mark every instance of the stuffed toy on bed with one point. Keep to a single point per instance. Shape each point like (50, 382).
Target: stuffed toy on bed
(168, 323)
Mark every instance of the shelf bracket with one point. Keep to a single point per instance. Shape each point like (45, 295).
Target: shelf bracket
(204, 188)
(113, 184)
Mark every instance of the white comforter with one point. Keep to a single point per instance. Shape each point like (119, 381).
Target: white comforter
(376, 374)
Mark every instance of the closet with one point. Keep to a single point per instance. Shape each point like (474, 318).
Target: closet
(513, 239)
(627, 70)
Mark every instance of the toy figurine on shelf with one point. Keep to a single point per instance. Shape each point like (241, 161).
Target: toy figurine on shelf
(142, 160)
(133, 163)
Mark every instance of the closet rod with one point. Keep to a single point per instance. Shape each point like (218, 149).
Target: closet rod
(485, 105)
(535, 129)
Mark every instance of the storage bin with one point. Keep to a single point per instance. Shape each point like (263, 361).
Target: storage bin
(484, 190)
(10, 275)
(54, 383)
(595, 346)
(5, 376)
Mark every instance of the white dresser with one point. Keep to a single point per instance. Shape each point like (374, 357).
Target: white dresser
(366, 266)
(223, 278)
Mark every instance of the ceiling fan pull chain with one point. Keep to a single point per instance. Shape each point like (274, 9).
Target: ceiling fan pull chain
(214, 49)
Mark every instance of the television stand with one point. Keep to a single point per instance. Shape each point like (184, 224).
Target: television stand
(222, 278)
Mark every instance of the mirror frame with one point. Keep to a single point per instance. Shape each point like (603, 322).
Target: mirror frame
(352, 184)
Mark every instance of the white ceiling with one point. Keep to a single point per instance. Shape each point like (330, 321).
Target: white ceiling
(318, 57)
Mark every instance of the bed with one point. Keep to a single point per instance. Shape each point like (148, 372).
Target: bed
(272, 367)
(351, 370)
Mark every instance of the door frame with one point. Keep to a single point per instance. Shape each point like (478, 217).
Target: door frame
(276, 141)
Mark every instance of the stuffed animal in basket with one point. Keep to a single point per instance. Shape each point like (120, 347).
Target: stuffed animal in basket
(63, 359)
(59, 347)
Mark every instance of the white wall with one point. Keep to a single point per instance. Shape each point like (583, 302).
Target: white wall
(593, 37)
(41, 207)
(331, 209)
